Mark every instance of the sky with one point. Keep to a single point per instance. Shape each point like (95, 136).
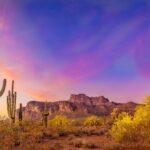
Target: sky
(53, 48)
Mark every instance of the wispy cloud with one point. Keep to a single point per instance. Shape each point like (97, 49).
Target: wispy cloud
(52, 50)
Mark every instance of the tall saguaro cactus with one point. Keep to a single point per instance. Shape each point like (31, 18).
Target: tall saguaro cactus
(3, 87)
(11, 103)
(45, 115)
(20, 114)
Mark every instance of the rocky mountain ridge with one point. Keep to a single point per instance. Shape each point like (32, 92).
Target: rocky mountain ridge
(79, 105)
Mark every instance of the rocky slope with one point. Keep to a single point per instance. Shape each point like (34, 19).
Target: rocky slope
(77, 106)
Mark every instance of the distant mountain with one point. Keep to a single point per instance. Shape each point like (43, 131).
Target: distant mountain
(79, 105)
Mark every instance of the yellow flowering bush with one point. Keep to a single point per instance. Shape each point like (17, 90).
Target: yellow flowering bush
(123, 128)
(142, 121)
(59, 121)
(93, 121)
(127, 128)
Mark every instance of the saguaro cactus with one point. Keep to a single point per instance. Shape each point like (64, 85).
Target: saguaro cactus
(20, 115)
(11, 103)
(3, 87)
(45, 115)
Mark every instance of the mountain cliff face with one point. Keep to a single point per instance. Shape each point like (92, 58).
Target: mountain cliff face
(77, 106)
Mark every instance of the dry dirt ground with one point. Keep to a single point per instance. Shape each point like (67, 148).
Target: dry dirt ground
(72, 142)
(82, 143)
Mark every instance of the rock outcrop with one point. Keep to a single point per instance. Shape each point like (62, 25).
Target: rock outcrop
(77, 106)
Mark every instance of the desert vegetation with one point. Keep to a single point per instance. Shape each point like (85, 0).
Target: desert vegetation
(127, 128)
(119, 131)
(3, 87)
(124, 132)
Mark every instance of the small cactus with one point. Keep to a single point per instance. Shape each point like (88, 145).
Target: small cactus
(3, 87)
(20, 115)
(45, 115)
(11, 103)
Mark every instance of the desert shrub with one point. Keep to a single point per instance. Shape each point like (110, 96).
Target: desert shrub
(4, 131)
(9, 135)
(136, 128)
(56, 146)
(60, 122)
(115, 113)
(142, 121)
(123, 129)
(78, 143)
(91, 145)
(93, 121)
(127, 128)
(85, 144)
(113, 146)
(77, 122)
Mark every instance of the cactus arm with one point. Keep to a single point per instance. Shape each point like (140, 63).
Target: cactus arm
(12, 88)
(3, 87)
